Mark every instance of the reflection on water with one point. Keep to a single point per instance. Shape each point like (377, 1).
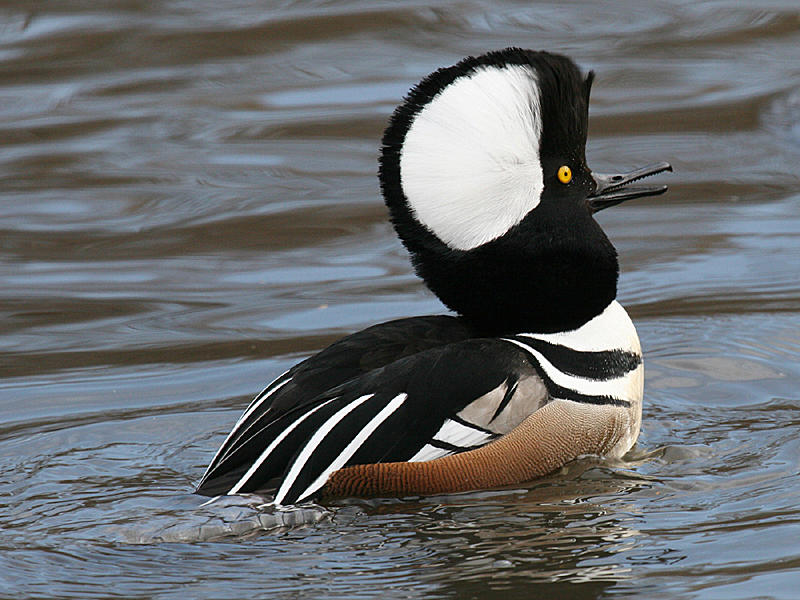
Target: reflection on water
(189, 205)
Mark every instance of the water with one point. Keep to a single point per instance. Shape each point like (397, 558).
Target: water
(189, 205)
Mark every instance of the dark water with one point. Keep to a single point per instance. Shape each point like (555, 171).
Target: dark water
(188, 205)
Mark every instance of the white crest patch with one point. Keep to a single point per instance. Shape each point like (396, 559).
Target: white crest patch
(470, 165)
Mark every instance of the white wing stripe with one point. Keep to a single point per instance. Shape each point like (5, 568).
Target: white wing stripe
(453, 432)
(312, 444)
(428, 452)
(268, 450)
(355, 444)
(257, 401)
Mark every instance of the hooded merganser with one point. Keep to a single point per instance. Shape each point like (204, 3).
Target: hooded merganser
(484, 172)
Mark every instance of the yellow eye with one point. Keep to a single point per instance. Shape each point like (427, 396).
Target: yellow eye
(564, 174)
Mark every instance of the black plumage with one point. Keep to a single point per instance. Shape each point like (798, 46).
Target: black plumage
(434, 360)
(421, 388)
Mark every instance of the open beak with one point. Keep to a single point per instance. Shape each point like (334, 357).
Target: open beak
(613, 189)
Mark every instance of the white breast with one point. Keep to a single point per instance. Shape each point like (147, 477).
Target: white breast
(610, 330)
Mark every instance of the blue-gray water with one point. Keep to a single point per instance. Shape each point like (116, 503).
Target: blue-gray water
(188, 205)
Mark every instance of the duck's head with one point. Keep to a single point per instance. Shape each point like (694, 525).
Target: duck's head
(484, 171)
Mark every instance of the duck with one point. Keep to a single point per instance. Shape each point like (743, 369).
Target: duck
(483, 170)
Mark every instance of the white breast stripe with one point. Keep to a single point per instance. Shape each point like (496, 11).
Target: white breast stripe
(312, 444)
(612, 329)
(354, 445)
(268, 450)
(589, 387)
(453, 432)
(428, 452)
(257, 401)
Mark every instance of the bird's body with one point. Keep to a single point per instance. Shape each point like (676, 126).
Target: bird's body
(484, 174)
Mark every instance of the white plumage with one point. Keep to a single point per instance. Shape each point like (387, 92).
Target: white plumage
(470, 162)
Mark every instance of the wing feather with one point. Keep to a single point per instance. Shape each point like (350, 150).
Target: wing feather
(405, 410)
(342, 458)
(410, 390)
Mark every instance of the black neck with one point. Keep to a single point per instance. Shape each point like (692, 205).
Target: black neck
(529, 280)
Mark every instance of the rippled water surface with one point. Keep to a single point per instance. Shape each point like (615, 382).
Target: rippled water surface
(189, 205)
